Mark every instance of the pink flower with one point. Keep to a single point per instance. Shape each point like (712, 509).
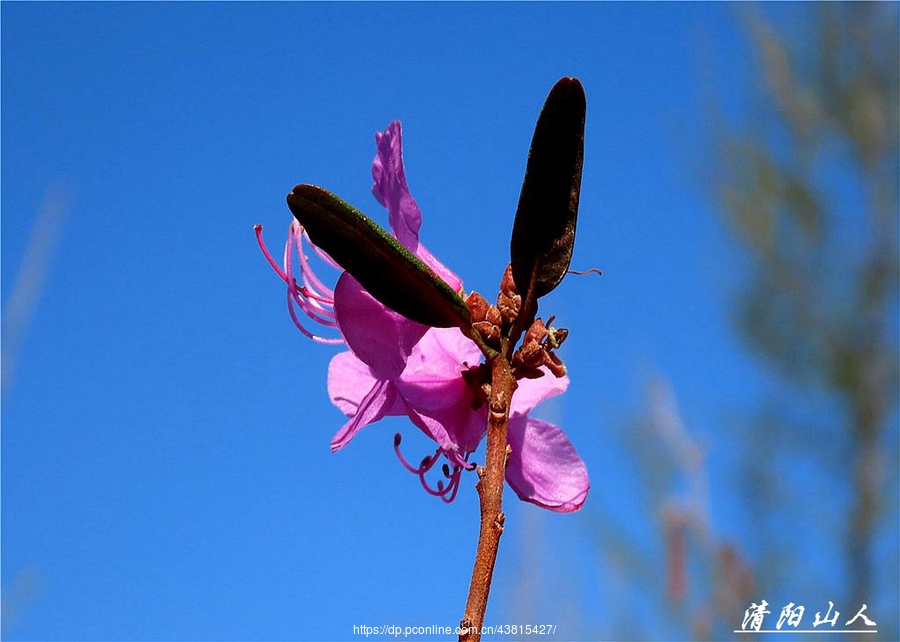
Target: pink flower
(397, 367)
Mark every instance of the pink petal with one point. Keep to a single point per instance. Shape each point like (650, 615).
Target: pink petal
(373, 406)
(544, 467)
(349, 379)
(440, 269)
(439, 359)
(432, 385)
(531, 392)
(391, 190)
(436, 429)
(380, 337)
(457, 427)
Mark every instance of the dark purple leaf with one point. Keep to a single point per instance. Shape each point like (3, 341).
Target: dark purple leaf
(544, 231)
(386, 269)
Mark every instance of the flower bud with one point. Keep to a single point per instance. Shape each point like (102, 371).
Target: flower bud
(489, 332)
(477, 305)
(530, 354)
(554, 364)
(507, 285)
(509, 307)
(537, 332)
(493, 316)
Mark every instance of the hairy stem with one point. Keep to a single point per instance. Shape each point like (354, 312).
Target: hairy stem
(490, 493)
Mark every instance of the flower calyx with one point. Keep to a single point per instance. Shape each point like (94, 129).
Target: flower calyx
(509, 301)
(492, 322)
(486, 319)
(537, 350)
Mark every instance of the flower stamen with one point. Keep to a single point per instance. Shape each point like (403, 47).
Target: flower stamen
(447, 492)
(314, 298)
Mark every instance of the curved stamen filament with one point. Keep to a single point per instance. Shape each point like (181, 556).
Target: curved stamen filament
(311, 309)
(259, 239)
(306, 292)
(302, 329)
(318, 307)
(310, 280)
(321, 301)
(454, 484)
(415, 471)
(307, 297)
(447, 492)
(298, 297)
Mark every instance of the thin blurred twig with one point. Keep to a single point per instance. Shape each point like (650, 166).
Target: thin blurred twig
(28, 288)
(808, 184)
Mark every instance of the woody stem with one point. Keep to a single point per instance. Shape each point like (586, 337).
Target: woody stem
(490, 493)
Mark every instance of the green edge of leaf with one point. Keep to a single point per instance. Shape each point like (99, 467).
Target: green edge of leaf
(387, 270)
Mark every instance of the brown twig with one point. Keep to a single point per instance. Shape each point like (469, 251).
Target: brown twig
(490, 492)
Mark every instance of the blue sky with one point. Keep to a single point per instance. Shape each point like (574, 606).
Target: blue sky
(166, 471)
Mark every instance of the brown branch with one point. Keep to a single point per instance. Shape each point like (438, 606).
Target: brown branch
(490, 492)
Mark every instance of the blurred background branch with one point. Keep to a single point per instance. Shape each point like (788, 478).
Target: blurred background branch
(18, 310)
(805, 180)
(807, 184)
